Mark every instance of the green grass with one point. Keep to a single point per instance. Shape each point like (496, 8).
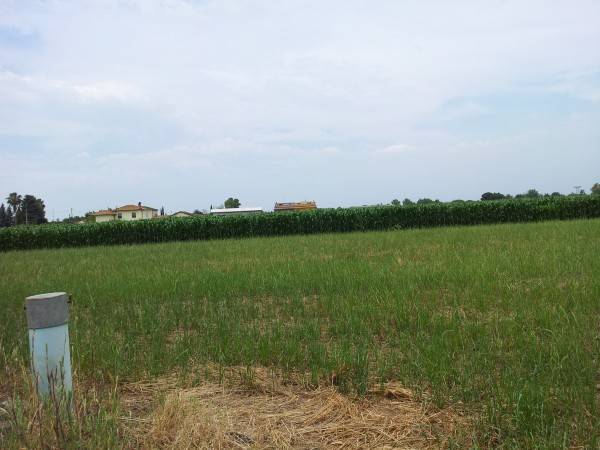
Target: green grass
(504, 318)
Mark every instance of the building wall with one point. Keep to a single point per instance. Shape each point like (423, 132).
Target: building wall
(181, 214)
(106, 218)
(143, 214)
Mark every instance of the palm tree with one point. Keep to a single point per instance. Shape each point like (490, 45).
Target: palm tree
(14, 200)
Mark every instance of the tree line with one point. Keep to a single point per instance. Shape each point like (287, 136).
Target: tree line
(22, 210)
(489, 196)
(533, 193)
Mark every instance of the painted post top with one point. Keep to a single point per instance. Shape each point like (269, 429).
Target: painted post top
(47, 310)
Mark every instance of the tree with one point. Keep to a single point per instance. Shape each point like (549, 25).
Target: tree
(595, 190)
(32, 211)
(3, 216)
(395, 202)
(162, 210)
(492, 196)
(556, 194)
(232, 203)
(531, 193)
(407, 202)
(77, 219)
(426, 201)
(9, 216)
(14, 200)
(19, 218)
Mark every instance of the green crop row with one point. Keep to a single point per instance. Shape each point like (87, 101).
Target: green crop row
(306, 222)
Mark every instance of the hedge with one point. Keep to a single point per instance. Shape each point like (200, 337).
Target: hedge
(305, 222)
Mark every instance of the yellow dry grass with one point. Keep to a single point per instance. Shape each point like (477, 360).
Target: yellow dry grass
(271, 415)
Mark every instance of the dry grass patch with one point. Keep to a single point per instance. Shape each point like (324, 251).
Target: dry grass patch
(271, 415)
(55, 422)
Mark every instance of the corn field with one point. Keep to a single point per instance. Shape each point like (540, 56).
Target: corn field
(306, 222)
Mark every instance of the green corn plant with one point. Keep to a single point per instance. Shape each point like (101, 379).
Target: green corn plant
(305, 222)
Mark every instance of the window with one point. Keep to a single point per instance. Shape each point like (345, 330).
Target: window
(133, 215)
(119, 216)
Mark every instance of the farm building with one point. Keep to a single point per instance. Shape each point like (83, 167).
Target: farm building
(126, 212)
(295, 206)
(182, 214)
(229, 211)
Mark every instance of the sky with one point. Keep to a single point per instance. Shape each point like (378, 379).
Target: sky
(182, 103)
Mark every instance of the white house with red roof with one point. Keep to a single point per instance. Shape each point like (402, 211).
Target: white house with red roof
(126, 212)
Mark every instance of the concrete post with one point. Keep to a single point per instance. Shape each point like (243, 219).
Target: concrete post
(47, 321)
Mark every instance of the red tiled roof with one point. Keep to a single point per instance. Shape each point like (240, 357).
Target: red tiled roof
(134, 208)
(104, 212)
(112, 212)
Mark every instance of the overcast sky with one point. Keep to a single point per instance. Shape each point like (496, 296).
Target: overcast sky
(185, 103)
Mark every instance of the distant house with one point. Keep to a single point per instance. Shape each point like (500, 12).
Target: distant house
(126, 212)
(294, 206)
(230, 211)
(182, 214)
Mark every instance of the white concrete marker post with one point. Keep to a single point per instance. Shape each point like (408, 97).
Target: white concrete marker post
(47, 320)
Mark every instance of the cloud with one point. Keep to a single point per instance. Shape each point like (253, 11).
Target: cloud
(22, 87)
(330, 151)
(583, 85)
(107, 91)
(395, 149)
(458, 110)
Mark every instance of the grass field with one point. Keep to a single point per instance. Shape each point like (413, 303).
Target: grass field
(503, 320)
